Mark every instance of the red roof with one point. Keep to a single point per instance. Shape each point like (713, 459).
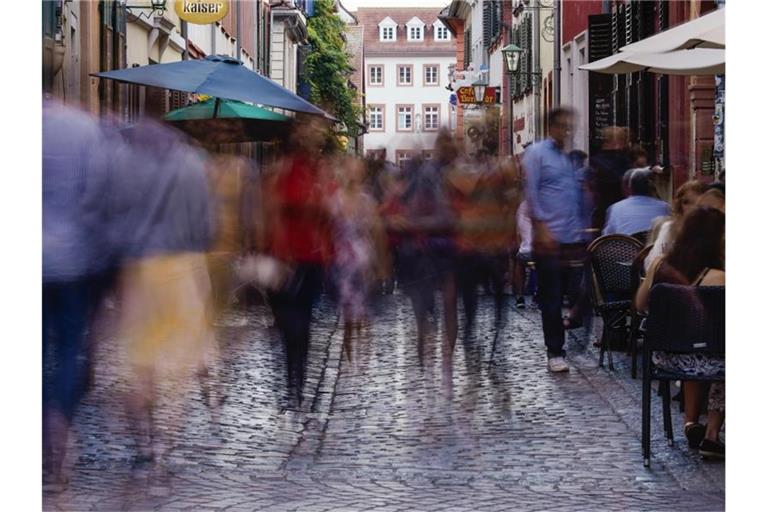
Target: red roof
(371, 17)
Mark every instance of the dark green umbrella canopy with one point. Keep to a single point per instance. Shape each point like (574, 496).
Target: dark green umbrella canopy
(217, 121)
(227, 109)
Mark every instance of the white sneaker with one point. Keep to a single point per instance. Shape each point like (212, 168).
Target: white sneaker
(557, 365)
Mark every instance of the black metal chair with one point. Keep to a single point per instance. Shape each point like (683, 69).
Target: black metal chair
(610, 259)
(635, 324)
(685, 320)
(642, 236)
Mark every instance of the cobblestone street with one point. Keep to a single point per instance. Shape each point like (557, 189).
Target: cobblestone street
(494, 432)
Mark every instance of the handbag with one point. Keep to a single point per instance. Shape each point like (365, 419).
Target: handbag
(263, 271)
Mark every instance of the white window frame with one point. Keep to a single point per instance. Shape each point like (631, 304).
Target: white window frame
(388, 31)
(400, 68)
(415, 24)
(437, 74)
(380, 67)
(379, 114)
(435, 115)
(403, 156)
(438, 27)
(385, 26)
(402, 112)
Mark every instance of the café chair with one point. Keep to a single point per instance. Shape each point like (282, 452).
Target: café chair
(683, 320)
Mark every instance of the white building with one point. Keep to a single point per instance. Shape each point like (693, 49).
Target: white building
(407, 54)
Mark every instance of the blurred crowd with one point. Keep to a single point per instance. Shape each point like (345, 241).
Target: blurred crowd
(174, 231)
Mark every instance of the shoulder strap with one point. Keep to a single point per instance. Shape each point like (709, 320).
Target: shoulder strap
(701, 277)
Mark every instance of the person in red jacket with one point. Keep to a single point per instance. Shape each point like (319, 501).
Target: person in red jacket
(298, 234)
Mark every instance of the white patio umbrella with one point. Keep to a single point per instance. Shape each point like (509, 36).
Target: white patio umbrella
(708, 31)
(698, 61)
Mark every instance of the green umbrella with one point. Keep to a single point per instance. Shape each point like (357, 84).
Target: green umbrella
(219, 121)
(227, 109)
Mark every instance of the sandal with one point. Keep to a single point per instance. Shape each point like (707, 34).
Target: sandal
(694, 432)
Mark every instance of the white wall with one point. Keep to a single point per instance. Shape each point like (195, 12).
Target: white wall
(391, 95)
(201, 36)
(574, 90)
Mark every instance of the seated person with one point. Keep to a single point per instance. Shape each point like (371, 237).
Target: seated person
(664, 232)
(636, 213)
(697, 258)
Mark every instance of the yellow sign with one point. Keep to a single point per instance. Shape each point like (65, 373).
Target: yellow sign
(202, 12)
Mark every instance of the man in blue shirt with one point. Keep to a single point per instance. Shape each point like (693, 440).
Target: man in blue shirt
(555, 198)
(636, 213)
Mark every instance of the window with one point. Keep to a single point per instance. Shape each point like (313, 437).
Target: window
(405, 118)
(387, 33)
(431, 74)
(403, 157)
(405, 75)
(441, 33)
(376, 118)
(376, 154)
(431, 117)
(427, 154)
(415, 29)
(375, 75)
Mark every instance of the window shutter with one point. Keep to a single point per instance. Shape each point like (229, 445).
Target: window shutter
(600, 106)
(467, 47)
(514, 80)
(527, 57)
(487, 23)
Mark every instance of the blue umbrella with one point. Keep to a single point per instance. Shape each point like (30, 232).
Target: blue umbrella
(219, 76)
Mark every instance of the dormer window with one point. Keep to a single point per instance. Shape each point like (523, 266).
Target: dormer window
(441, 32)
(388, 30)
(415, 29)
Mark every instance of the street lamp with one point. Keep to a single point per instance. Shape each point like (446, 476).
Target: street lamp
(157, 7)
(512, 54)
(479, 86)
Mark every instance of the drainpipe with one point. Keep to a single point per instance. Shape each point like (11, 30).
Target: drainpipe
(185, 54)
(238, 47)
(536, 47)
(556, 82)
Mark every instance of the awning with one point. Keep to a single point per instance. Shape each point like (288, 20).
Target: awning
(698, 61)
(708, 31)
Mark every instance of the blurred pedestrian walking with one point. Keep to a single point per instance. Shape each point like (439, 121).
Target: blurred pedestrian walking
(553, 193)
(77, 259)
(164, 228)
(425, 224)
(298, 236)
(357, 240)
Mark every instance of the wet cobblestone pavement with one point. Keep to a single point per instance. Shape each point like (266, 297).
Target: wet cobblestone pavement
(384, 433)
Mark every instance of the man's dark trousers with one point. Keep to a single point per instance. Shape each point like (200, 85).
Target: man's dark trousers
(551, 271)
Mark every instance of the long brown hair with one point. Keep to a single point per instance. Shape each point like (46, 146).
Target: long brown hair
(700, 243)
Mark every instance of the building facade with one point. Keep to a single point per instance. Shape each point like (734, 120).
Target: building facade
(407, 56)
(84, 37)
(288, 34)
(671, 117)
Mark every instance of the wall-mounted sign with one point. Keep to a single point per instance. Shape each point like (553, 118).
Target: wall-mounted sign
(466, 96)
(202, 12)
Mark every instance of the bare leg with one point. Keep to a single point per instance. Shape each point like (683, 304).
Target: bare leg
(715, 420)
(692, 395)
